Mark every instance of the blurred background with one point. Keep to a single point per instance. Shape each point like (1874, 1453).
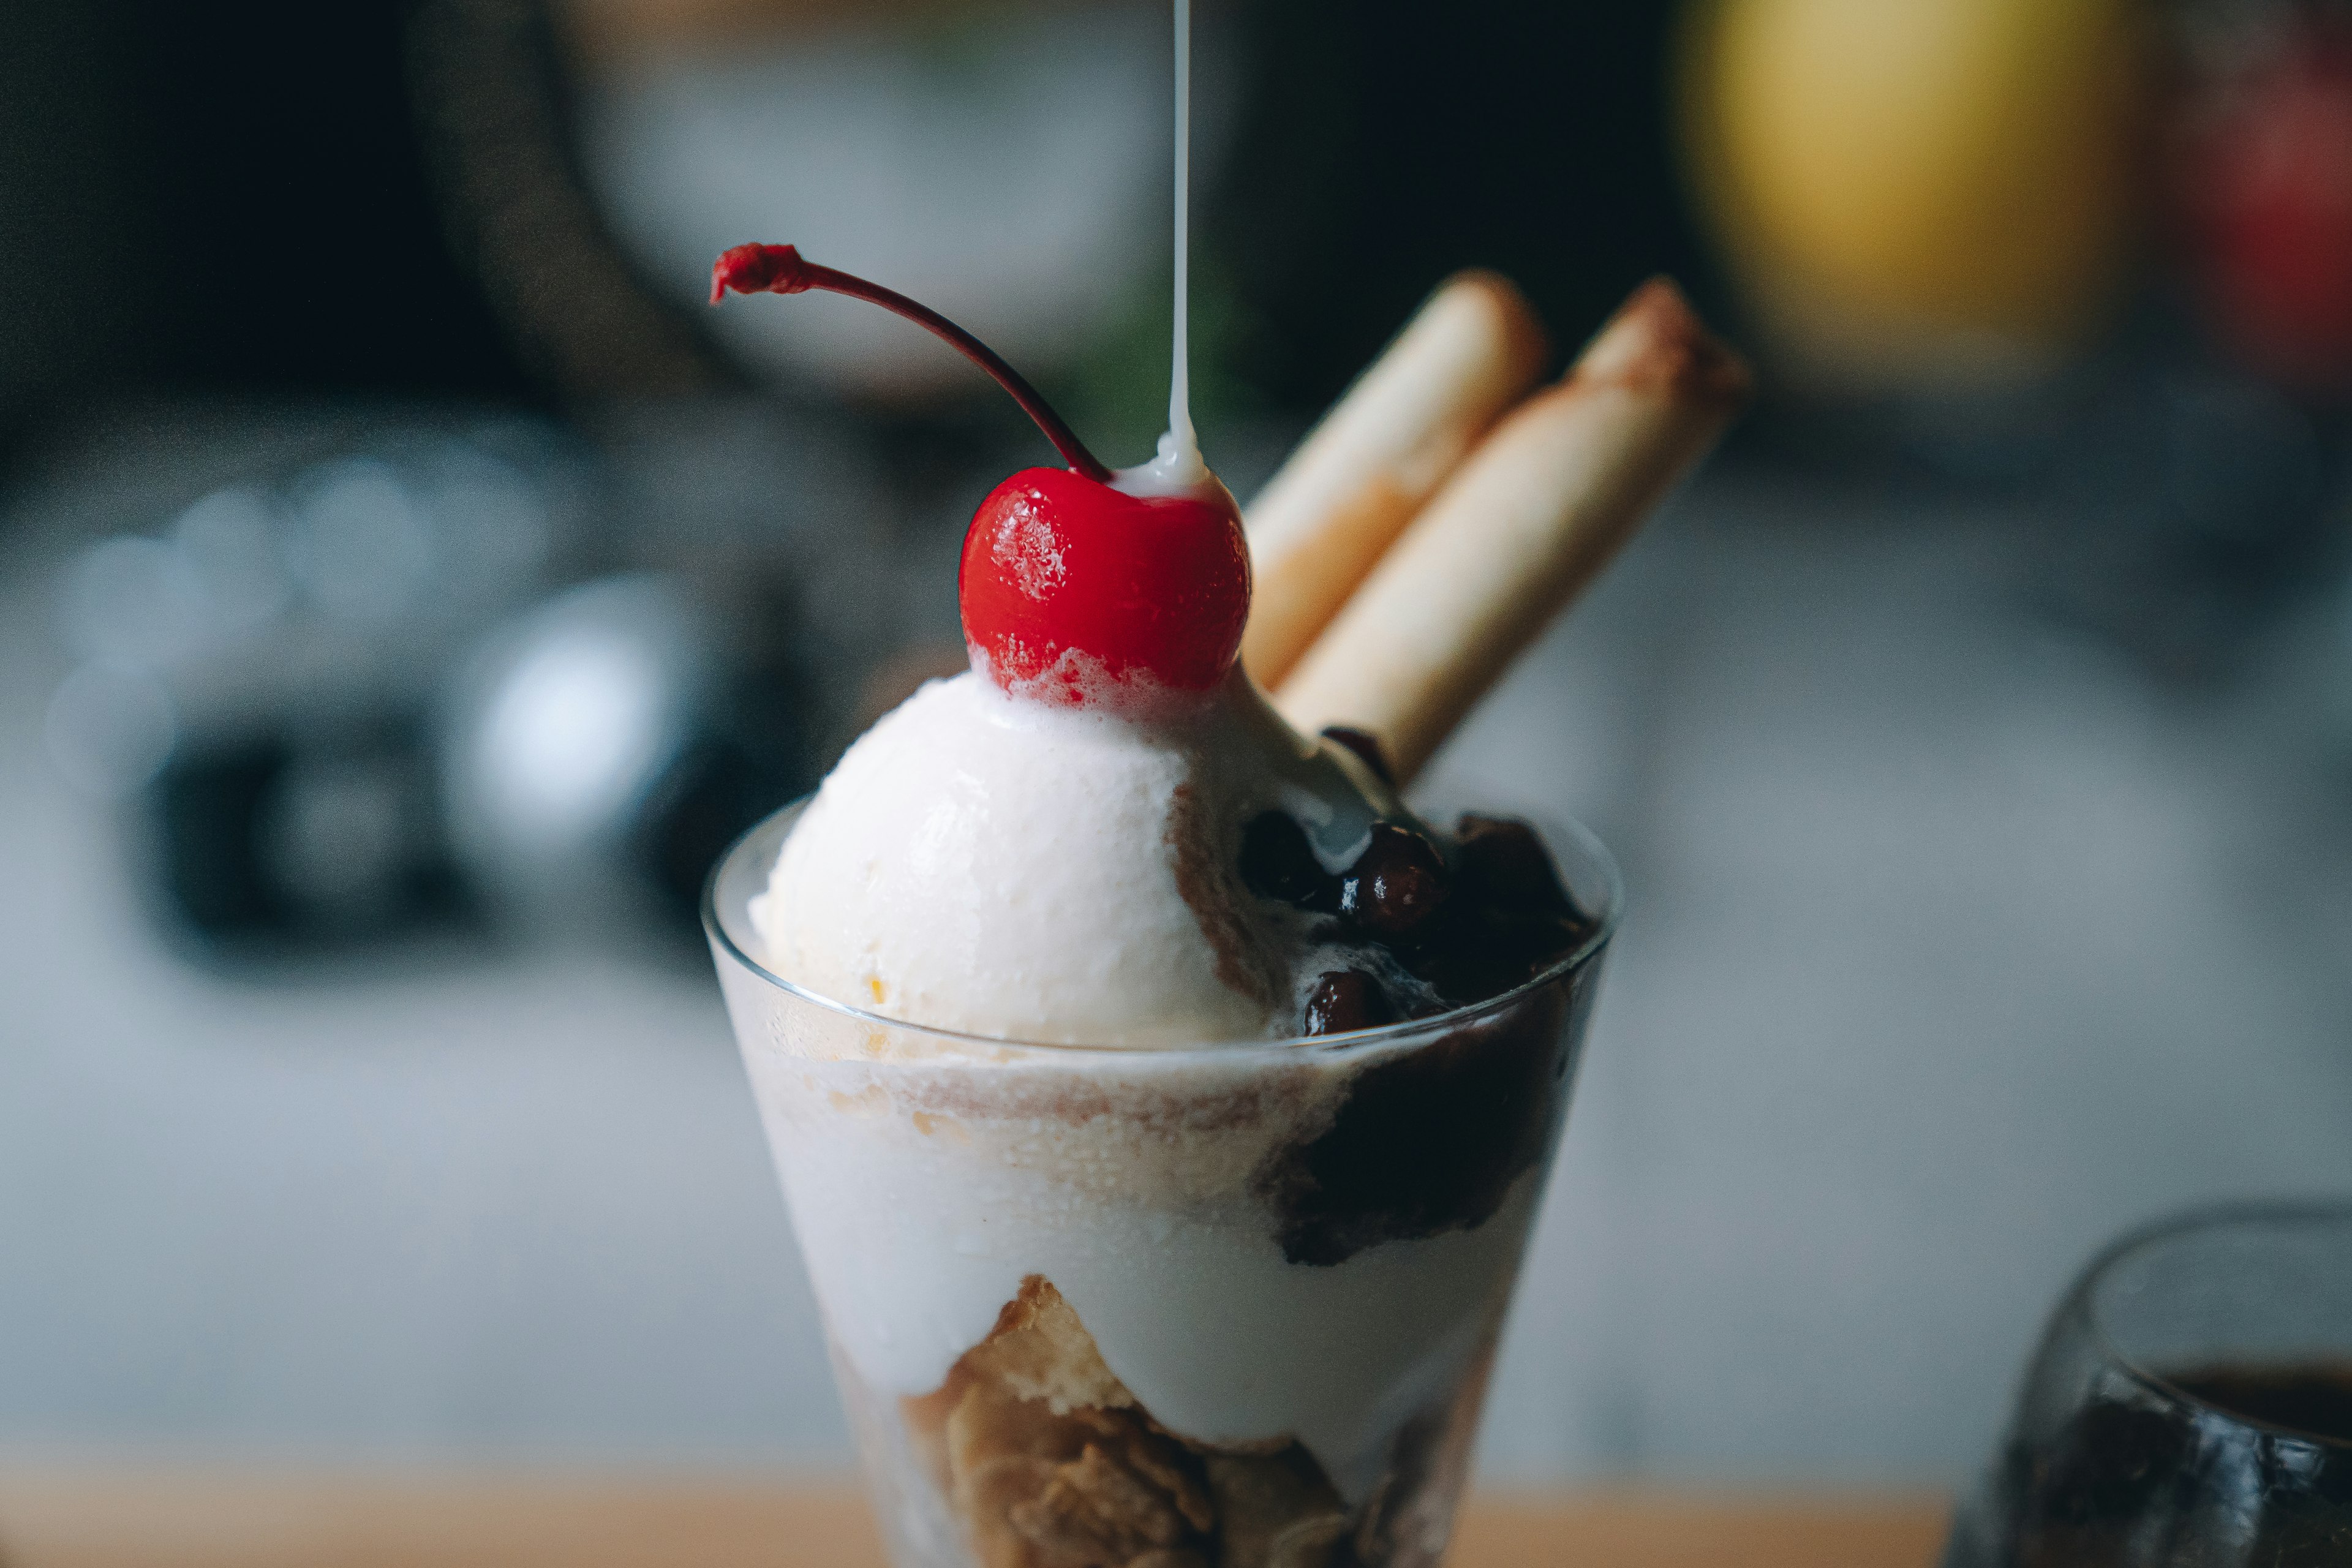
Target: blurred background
(406, 587)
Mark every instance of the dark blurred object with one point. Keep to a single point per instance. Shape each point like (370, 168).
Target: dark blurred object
(291, 226)
(303, 839)
(2188, 1407)
(494, 105)
(256, 679)
(2191, 512)
(2263, 180)
(611, 743)
(376, 197)
(209, 198)
(71, 184)
(1381, 148)
(335, 718)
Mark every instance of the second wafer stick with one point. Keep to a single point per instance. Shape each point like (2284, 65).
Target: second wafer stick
(1519, 530)
(1315, 530)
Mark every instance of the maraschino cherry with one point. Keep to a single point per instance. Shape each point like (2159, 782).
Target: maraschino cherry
(1072, 590)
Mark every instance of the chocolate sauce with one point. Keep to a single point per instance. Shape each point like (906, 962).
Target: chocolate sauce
(1428, 1140)
(1508, 865)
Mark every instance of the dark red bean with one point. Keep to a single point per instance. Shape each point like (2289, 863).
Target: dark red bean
(1345, 999)
(1396, 884)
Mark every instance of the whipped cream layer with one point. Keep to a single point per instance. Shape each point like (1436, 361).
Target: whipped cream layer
(999, 866)
(923, 1194)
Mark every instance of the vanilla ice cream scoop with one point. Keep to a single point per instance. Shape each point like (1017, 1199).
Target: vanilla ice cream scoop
(996, 865)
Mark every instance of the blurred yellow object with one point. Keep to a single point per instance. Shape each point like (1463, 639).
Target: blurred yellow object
(1919, 187)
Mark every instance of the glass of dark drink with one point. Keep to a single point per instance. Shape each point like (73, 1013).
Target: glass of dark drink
(2190, 1405)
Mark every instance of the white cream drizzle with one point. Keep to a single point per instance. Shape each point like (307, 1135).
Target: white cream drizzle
(1177, 469)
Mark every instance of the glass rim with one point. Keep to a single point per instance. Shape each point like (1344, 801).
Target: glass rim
(2280, 1212)
(1584, 953)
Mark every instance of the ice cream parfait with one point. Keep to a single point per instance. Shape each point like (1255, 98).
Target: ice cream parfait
(1190, 1300)
(1161, 1101)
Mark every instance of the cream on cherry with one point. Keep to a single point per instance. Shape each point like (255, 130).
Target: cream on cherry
(1076, 577)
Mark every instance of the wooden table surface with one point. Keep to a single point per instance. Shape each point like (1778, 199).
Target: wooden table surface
(85, 1518)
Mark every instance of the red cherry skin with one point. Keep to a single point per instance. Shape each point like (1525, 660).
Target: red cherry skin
(1148, 591)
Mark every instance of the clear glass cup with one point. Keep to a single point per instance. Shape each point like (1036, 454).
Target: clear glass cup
(2191, 1405)
(1210, 1307)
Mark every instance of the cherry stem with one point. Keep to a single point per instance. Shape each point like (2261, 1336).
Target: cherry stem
(781, 270)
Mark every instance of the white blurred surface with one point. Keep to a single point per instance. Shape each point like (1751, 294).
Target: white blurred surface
(1953, 949)
(948, 170)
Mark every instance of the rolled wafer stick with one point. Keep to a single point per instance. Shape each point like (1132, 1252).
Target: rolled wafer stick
(1519, 530)
(1321, 522)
